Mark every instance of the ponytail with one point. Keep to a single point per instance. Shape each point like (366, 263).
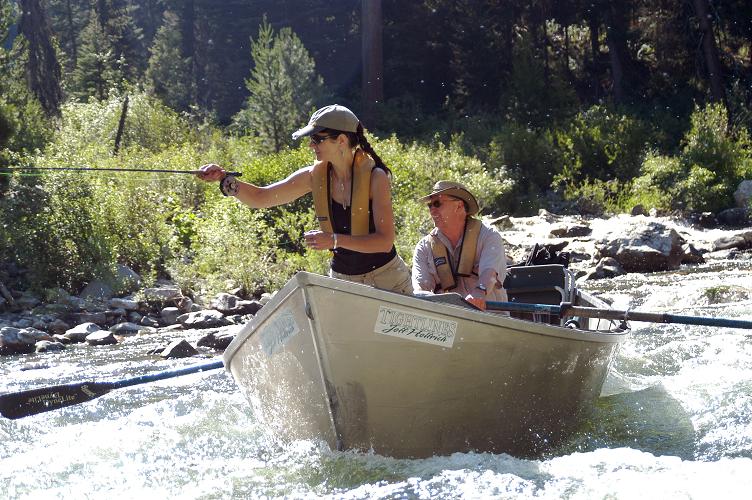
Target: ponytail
(361, 141)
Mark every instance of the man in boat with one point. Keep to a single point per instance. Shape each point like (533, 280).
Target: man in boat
(461, 254)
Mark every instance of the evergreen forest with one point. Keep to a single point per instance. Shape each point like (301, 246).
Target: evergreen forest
(575, 106)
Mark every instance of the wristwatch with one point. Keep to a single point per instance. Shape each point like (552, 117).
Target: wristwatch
(482, 288)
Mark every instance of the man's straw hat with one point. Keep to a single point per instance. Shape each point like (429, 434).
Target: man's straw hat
(456, 190)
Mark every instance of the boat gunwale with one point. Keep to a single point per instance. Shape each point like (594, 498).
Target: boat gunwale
(304, 280)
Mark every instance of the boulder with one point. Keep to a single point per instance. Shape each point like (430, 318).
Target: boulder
(58, 326)
(97, 290)
(645, 247)
(692, 255)
(149, 321)
(48, 346)
(743, 194)
(607, 267)
(79, 332)
(230, 304)
(209, 318)
(734, 217)
(126, 329)
(126, 279)
(216, 340)
(570, 230)
(169, 315)
(163, 294)
(739, 240)
(102, 337)
(179, 349)
(20, 341)
(98, 317)
(27, 301)
(123, 303)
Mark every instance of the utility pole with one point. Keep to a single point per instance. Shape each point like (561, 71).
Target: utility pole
(373, 60)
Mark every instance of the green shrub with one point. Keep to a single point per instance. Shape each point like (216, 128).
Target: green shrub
(50, 228)
(92, 126)
(601, 144)
(710, 166)
(530, 158)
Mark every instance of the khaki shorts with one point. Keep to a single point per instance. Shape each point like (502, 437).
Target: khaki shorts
(393, 276)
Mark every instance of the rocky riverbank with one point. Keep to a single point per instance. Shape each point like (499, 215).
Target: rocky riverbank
(595, 248)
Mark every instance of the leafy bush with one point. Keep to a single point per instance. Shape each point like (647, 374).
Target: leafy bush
(601, 144)
(710, 166)
(51, 230)
(92, 127)
(529, 157)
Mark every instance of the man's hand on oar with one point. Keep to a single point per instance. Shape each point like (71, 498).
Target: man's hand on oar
(34, 401)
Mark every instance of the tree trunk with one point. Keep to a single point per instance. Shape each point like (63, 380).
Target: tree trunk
(71, 34)
(372, 57)
(618, 52)
(187, 49)
(43, 73)
(710, 51)
(592, 19)
(121, 126)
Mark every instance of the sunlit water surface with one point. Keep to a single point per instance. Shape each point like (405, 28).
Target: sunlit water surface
(674, 421)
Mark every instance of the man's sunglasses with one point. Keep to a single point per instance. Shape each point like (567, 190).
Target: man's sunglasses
(438, 203)
(318, 139)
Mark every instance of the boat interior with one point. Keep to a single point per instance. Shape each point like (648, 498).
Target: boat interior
(537, 284)
(540, 284)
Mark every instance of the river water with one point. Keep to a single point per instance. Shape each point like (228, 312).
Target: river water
(674, 421)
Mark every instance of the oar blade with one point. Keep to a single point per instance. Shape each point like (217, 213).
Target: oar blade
(34, 401)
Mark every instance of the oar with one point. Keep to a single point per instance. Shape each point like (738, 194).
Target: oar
(25, 403)
(567, 309)
(87, 169)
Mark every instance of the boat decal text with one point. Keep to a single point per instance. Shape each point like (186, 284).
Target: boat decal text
(413, 326)
(278, 332)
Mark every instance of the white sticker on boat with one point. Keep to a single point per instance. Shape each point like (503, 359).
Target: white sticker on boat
(278, 332)
(413, 326)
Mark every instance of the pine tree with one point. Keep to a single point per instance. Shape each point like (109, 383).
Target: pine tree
(283, 85)
(169, 73)
(96, 71)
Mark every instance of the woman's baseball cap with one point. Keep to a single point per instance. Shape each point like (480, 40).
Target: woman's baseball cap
(333, 117)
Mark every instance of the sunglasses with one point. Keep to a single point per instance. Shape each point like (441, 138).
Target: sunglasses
(318, 139)
(438, 203)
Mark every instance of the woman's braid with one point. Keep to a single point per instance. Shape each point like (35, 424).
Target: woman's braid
(363, 143)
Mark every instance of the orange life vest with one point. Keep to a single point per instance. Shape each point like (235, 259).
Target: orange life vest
(447, 275)
(360, 194)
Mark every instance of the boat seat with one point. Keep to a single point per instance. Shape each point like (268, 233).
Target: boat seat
(543, 284)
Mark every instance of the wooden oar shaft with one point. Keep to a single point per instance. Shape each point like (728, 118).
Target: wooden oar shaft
(90, 169)
(566, 309)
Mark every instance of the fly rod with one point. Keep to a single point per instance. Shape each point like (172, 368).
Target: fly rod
(89, 169)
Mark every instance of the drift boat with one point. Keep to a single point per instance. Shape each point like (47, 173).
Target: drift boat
(406, 377)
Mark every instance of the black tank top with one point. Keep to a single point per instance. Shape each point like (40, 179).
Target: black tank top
(349, 261)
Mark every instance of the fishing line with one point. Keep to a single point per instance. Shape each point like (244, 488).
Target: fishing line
(41, 170)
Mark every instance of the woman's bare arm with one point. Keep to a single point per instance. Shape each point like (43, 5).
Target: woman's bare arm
(289, 189)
